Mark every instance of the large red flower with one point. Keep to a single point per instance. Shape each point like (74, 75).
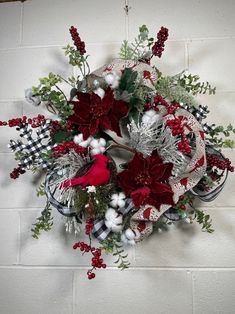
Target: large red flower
(146, 181)
(92, 114)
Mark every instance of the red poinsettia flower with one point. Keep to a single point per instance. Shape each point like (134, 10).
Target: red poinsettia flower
(146, 181)
(91, 113)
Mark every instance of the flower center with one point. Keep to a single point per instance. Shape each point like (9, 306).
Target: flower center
(143, 178)
(97, 112)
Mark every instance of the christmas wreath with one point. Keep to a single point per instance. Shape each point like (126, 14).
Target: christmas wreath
(127, 152)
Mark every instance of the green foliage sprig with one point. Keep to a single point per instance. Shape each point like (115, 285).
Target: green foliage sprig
(140, 49)
(41, 190)
(218, 137)
(50, 92)
(133, 91)
(97, 200)
(113, 245)
(192, 85)
(76, 59)
(204, 220)
(44, 222)
(196, 214)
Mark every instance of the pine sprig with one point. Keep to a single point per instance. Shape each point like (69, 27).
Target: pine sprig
(43, 223)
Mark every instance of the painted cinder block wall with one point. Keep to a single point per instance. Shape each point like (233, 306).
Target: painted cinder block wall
(181, 270)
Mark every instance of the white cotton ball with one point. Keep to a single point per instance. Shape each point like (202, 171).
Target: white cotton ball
(109, 78)
(97, 146)
(94, 143)
(150, 117)
(110, 214)
(112, 79)
(121, 203)
(102, 149)
(130, 236)
(122, 195)
(78, 139)
(127, 241)
(118, 200)
(102, 141)
(95, 151)
(113, 220)
(129, 233)
(100, 92)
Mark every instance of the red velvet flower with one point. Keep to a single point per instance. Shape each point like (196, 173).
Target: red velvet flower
(92, 114)
(146, 181)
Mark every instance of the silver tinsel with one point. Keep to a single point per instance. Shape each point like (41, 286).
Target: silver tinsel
(146, 138)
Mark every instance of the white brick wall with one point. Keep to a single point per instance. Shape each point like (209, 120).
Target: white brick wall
(178, 271)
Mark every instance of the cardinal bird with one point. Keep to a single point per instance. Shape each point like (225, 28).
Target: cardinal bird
(98, 174)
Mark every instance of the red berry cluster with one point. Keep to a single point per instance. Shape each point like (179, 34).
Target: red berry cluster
(159, 45)
(96, 261)
(159, 100)
(55, 127)
(37, 121)
(177, 127)
(80, 45)
(34, 122)
(89, 225)
(16, 173)
(222, 164)
(65, 147)
(171, 108)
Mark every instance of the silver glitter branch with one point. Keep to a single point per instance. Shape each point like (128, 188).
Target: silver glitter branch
(146, 138)
(142, 137)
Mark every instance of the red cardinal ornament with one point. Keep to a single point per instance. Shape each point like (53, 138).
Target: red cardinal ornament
(98, 174)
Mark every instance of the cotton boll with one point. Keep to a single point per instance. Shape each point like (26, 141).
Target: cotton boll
(113, 220)
(100, 92)
(102, 141)
(97, 146)
(130, 236)
(78, 139)
(150, 117)
(118, 200)
(129, 233)
(109, 78)
(34, 100)
(112, 79)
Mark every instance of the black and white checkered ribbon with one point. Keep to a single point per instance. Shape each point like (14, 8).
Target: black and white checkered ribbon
(210, 196)
(100, 230)
(64, 210)
(34, 146)
(172, 214)
(199, 113)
